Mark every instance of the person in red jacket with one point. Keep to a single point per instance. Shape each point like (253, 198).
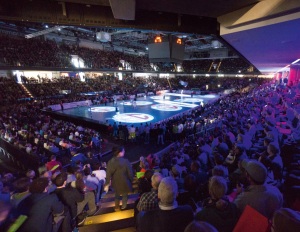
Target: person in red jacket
(53, 165)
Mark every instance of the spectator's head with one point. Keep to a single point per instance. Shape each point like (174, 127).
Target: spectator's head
(156, 179)
(195, 166)
(190, 183)
(175, 171)
(47, 174)
(60, 180)
(53, 157)
(217, 187)
(30, 174)
(167, 191)
(87, 171)
(219, 171)
(219, 159)
(118, 151)
(272, 149)
(200, 226)
(22, 185)
(256, 172)
(39, 185)
(286, 219)
(148, 175)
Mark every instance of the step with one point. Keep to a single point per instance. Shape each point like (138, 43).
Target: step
(109, 207)
(110, 196)
(109, 222)
(129, 229)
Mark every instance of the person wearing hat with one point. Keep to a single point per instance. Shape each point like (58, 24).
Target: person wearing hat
(264, 198)
(40, 207)
(119, 173)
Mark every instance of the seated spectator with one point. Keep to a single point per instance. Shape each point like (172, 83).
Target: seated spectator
(39, 207)
(144, 183)
(217, 210)
(77, 157)
(53, 165)
(21, 187)
(273, 161)
(286, 219)
(4, 195)
(199, 226)
(5, 222)
(30, 174)
(89, 195)
(201, 178)
(149, 200)
(264, 198)
(169, 216)
(69, 196)
(92, 182)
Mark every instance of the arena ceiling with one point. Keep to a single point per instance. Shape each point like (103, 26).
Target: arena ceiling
(269, 46)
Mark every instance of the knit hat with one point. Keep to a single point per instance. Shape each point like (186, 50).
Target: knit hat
(257, 171)
(38, 185)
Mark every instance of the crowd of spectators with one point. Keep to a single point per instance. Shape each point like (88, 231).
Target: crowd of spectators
(243, 140)
(38, 52)
(10, 91)
(240, 150)
(221, 170)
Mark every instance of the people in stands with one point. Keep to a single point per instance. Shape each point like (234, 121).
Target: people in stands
(149, 200)
(40, 207)
(88, 191)
(200, 226)
(285, 219)
(69, 196)
(169, 216)
(53, 165)
(21, 190)
(264, 198)
(217, 210)
(119, 173)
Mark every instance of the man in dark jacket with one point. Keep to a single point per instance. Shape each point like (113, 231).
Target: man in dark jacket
(40, 208)
(67, 195)
(119, 172)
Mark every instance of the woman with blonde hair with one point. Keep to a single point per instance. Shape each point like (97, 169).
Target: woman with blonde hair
(217, 210)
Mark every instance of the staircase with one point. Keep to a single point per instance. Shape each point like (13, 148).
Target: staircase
(107, 220)
(26, 90)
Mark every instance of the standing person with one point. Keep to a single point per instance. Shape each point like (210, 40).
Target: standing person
(119, 172)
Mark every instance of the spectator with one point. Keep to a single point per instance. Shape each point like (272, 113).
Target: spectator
(286, 220)
(40, 207)
(149, 200)
(68, 196)
(198, 226)
(53, 165)
(217, 210)
(169, 216)
(266, 199)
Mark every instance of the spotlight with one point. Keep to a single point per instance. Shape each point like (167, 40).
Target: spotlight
(158, 39)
